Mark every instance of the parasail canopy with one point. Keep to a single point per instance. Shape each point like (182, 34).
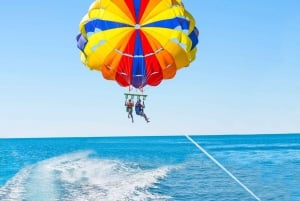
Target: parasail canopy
(137, 42)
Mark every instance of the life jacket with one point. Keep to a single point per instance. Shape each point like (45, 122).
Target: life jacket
(138, 108)
(129, 106)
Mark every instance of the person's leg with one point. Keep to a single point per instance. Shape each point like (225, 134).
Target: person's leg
(146, 118)
(131, 115)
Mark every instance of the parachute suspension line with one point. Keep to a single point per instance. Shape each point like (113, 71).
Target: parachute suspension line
(222, 167)
(130, 88)
(141, 89)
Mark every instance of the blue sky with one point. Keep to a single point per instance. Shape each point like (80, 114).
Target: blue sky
(245, 78)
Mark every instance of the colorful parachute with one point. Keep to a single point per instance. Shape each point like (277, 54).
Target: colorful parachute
(137, 42)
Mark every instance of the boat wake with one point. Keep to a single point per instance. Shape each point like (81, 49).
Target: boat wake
(80, 177)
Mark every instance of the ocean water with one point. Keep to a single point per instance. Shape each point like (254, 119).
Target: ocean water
(150, 168)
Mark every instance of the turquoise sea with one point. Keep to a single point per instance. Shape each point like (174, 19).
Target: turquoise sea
(150, 168)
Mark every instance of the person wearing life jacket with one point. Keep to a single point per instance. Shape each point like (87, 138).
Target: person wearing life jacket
(129, 108)
(139, 109)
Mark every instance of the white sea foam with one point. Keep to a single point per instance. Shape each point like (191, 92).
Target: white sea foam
(78, 177)
(14, 189)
